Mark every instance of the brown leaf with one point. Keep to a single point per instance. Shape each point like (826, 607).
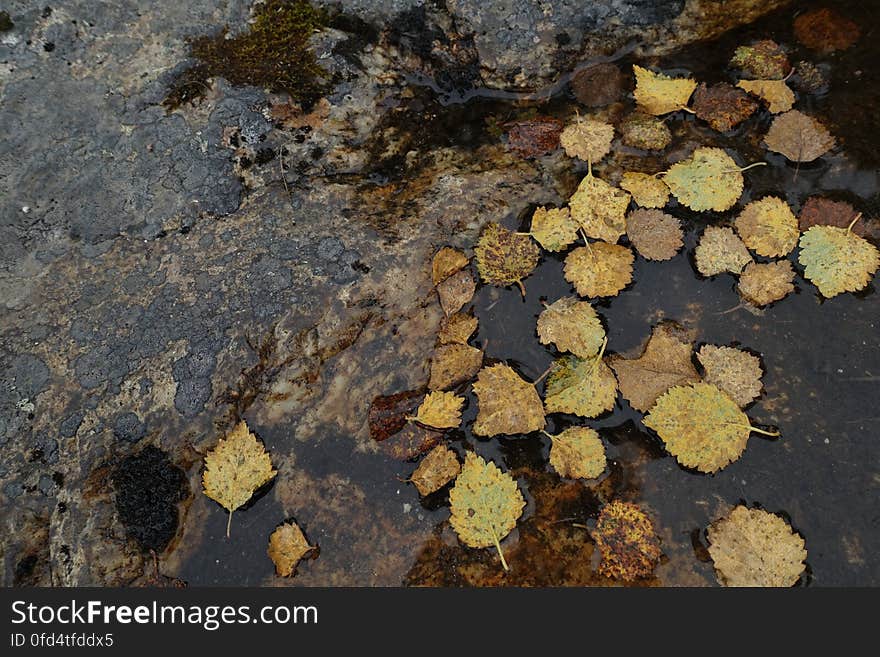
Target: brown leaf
(763, 283)
(453, 364)
(388, 413)
(534, 137)
(457, 329)
(821, 211)
(655, 234)
(627, 541)
(825, 30)
(723, 106)
(665, 362)
(644, 131)
(799, 137)
(763, 60)
(287, 545)
(456, 291)
(411, 441)
(437, 469)
(446, 262)
(599, 85)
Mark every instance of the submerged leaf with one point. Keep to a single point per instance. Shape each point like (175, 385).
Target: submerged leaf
(665, 362)
(752, 547)
(825, 30)
(411, 441)
(627, 542)
(485, 504)
(235, 469)
(440, 410)
(287, 545)
(776, 93)
(587, 139)
(763, 60)
(660, 94)
(581, 386)
(820, 211)
(701, 426)
(768, 227)
(507, 404)
(505, 257)
(553, 228)
(572, 325)
(837, 260)
(723, 106)
(578, 453)
(708, 180)
(439, 467)
(599, 269)
(598, 85)
(599, 208)
(655, 234)
(453, 364)
(457, 329)
(798, 137)
(456, 291)
(533, 137)
(645, 131)
(736, 372)
(762, 283)
(647, 190)
(719, 251)
(446, 262)
(388, 414)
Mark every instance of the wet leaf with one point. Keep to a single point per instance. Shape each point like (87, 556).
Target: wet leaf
(708, 180)
(719, 251)
(701, 426)
(507, 404)
(235, 469)
(768, 227)
(837, 260)
(585, 387)
(599, 269)
(453, 364)
(763, 60)
(411, 441)
(647, 190)
(438, 468)
(660, 94)
(645, 131)
(775, 93)
(572, 325)
(798, 137)
(485, 504)
(553, 228)
(440, 410)
(752, 547)
(447, 261)
(598, 85)
(456, 291)
(655, 234)
(627, 542)
(736, 372)
(761, 284)
(578, 453)
(664, 363)
(457, 329)
(599, 208)
(825, 30)
(587, 139)
(533, 137)
(723, 106)
(809, 77)
(505, 257)
(819, 211)
(287, 545)
(388, 413)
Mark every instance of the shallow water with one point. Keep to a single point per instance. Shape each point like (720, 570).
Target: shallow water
(821, 362)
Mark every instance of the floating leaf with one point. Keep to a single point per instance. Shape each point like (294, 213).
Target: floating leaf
(533, 137)
(723, 106)
(837, 260)
(776, 93)
(825, 30)
(761, 283)
(439, 467)
(665, 362)
(820, 211)
(578, 453)
(440, 410)
(446, 262)
(553, 228)
(708, 180)
(587, 139)
(798, 137)
(505, 257)
(764, 60)
(768, 227)
(572, 325)
(457, 329)
(752, 547)
(655, 234)
(647, 190)
(645, 131)
(581, 386)
(235, 469)
(719, 251)
(507, 404)
(627, 542)
(453, 364)
(660, 94)
(599, 269)
(456, 291)
(598, 85)
(736, 372)
(599, 209)
(701, 426)
(485, 504)
(287, 545)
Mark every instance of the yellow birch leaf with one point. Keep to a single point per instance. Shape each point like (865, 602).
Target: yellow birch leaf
(734, 371)
(778, 96)
(439, 467)
(655, 234)
(627, 542)
(720, 250)
(457, 329)
(507, 404)
(768, 227)
(837, 260)
(441, 410)
(763, 283)
(456, 290)
(582, 386)
(599, 269)
(572, 325)
(446, 262)
(708, 180)
(505, 257)
(553, 228)
(287, 545)
(587, 139)
(578, 453)
(647, 191)
(453, 364)
(660, 94)
(599, 209)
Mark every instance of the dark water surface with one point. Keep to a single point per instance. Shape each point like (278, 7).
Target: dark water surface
(821, 362)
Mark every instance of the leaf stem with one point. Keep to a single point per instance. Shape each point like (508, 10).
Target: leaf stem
(228, 524)
(752, 165)
(542, 377)
(687, 109)
(853, 222)
(522, 289)
(548, 434)
(500, 553)
(772, 434)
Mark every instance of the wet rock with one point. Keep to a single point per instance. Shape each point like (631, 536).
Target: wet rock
(128, 426)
